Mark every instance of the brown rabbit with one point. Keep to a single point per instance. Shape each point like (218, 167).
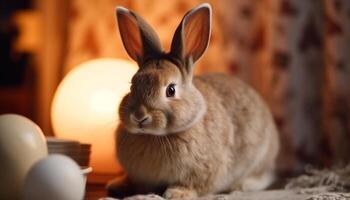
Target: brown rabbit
(192, 135)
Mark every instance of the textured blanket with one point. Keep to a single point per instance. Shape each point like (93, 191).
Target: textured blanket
(313, 185)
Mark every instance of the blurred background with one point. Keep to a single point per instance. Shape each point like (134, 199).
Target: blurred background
(296, 54)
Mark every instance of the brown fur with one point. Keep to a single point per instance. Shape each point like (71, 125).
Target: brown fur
(215, 135)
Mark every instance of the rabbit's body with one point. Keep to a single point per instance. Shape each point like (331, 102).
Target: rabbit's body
(235, 140)
(192, 135)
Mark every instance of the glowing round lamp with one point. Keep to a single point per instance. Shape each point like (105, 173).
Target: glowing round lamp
(85, 107)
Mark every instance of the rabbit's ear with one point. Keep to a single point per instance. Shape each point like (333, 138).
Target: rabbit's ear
(191, 38)
(139, 39)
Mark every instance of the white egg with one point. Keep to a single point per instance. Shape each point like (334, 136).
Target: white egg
(22, 143)
(56, 177)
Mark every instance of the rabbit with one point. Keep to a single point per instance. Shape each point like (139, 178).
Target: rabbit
(186, 135)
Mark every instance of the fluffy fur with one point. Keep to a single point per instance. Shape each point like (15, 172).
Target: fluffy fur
(215, 134)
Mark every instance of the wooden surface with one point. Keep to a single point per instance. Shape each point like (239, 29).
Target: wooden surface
(96, 185)
(95, 191)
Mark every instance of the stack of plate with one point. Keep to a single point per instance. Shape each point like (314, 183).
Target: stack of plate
(75, 150)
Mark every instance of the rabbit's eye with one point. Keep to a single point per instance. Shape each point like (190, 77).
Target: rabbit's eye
(170, 90)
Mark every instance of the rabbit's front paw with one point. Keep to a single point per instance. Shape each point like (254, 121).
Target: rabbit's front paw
(178, 192)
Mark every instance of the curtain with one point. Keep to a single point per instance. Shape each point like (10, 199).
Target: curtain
(295, 53)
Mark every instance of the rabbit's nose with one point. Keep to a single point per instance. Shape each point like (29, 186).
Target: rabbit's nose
(140, 120)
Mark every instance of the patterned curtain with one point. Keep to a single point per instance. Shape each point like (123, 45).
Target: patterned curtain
(337, 79)
(296, 54)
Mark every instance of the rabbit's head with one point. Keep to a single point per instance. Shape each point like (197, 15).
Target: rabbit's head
(163, 99)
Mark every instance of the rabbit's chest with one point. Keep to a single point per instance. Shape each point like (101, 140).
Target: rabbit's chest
(157, 161)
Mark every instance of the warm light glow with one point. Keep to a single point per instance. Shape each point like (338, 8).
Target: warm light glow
(85, 107)
(103, 101)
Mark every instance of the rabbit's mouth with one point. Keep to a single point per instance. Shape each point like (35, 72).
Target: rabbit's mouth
(140, 125)
(147, 131)
(146, 128)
